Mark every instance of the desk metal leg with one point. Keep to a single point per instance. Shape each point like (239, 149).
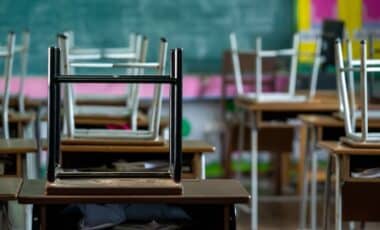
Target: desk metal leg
(327, 195)
(305, 191)
(254, 177)
(338, 195)
(203, 166)
(37, 135)
(314, 184)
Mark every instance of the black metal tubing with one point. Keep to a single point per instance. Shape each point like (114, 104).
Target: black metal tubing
(54, 99)
(51, 115)
(177, 88)
(57, 107)
(172, 119)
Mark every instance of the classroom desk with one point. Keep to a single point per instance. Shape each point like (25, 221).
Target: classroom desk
(74, 155)
(214, 200)
(19, 147)
(265, 115)
(355, 199)
(319, 128)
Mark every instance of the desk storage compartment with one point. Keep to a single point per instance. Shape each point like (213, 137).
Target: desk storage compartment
(360, 196)
(356, 164)
(201, 217)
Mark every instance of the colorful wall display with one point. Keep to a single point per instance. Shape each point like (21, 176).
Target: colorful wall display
(361, 17)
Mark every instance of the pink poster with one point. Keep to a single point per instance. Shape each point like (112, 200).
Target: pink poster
(322, 9)
(371, 12)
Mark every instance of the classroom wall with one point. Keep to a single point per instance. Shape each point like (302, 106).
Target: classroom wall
(361, 17)
(201, 27)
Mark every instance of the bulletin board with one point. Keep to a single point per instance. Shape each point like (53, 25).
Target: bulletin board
(361, 18)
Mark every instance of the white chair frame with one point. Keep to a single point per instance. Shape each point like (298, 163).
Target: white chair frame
(132, 54)
(23, 51)
(293, 53)
(8, 56)
(153, 131)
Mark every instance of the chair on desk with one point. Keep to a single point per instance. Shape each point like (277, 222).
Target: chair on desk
(356, 193)
(261, 55)
(246, 68)
(132, 110)
(355, 112)
(129, 182)
(136, 52)
(293, 53)
(347, 95)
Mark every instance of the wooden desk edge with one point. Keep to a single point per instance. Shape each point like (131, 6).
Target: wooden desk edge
(14, 196)
(42, 199)
(336, 147)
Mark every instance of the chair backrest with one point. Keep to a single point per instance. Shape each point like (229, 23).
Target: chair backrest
(8, 55)
(363, 66)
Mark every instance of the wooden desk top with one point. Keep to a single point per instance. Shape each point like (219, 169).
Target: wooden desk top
(9, 188)
(324, 101)
(15, 117)
(332, 121)
(28, 102)
(19, 145)
(188, 146)
(219, 191)
(337, 147)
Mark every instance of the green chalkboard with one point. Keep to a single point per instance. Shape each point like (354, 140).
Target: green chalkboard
(201, 27)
